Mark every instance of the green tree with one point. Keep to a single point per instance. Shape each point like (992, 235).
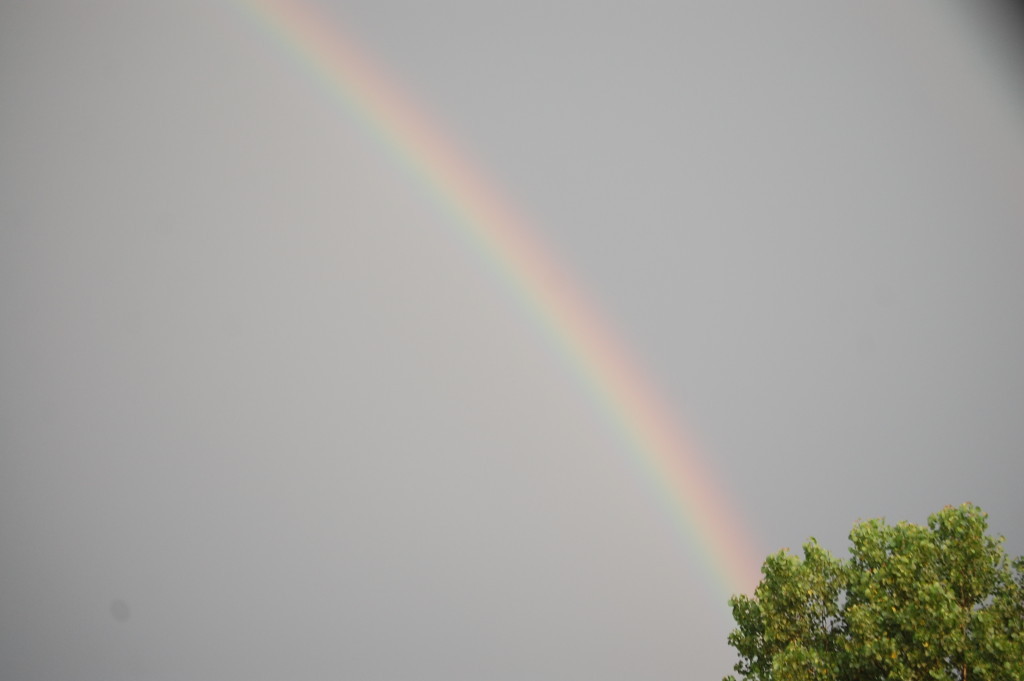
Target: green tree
(941, 602)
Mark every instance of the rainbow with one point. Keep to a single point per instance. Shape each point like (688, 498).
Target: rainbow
(684, 484)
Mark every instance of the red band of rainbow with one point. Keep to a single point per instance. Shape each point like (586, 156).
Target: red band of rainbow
(684, 483)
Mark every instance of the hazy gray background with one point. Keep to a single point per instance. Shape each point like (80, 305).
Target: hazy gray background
(263, 417)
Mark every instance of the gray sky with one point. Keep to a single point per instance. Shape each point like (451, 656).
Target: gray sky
(264, 416)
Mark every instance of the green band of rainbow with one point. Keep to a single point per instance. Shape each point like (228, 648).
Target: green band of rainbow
(685, 485)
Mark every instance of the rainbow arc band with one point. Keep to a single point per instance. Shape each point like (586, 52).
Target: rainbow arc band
(684, 484)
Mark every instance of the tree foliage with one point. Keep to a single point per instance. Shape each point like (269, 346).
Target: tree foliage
(941, 602)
